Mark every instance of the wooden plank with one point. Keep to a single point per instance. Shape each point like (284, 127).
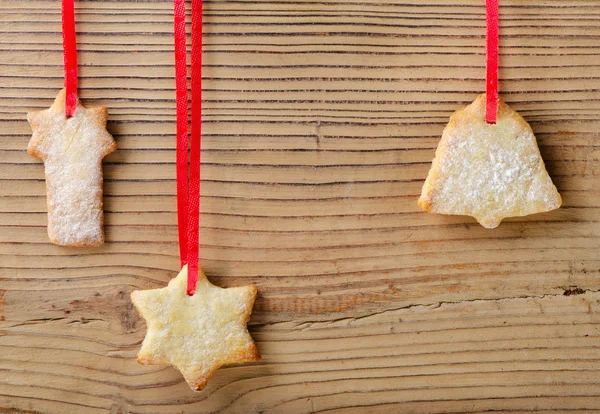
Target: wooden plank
(321, 119)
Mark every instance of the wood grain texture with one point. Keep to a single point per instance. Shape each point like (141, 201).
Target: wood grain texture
(321, 120)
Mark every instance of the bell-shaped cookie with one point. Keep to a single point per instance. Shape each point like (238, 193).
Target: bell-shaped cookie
(488, 171)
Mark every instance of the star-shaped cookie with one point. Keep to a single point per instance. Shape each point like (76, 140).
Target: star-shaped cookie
(488, 171)
(72, 149)
(196, 334)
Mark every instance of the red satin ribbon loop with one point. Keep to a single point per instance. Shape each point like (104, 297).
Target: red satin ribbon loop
(491, 84)
(188, 193)
(70, 55)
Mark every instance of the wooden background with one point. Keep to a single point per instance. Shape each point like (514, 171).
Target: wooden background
(321, 119)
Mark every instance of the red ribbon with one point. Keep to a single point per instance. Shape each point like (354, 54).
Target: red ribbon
(194, 200)
(182, 124)
(188, 194)
(491, 84)
(70, 55)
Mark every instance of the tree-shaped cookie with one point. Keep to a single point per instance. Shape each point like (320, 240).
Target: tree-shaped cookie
(488, 171)
(196, 334)
(72, 149)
